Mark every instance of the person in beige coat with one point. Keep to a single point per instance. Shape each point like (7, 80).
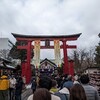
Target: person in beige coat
(45, 82)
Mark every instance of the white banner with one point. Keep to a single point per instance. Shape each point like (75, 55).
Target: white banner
(57, 53)
(37, 53)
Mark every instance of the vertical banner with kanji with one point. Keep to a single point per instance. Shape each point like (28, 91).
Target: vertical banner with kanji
(57, 53)
(37, 53)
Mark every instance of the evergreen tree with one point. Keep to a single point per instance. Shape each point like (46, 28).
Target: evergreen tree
(97, 54)
(14, 52)
(20, 53)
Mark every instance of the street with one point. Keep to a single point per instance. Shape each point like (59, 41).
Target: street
(26, 94)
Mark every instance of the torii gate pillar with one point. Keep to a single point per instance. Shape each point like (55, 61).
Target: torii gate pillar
(65, 67)
(28, 73)
(71, 67)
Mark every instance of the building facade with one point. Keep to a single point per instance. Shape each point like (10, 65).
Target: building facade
(5, 47)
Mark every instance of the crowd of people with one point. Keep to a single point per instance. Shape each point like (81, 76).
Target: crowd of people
(11, 87)
(69, 88)
(43, 87)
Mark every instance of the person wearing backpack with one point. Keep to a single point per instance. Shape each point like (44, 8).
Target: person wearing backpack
(64, 94)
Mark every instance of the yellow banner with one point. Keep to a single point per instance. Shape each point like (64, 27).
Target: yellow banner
(57, 52)
(37, 53)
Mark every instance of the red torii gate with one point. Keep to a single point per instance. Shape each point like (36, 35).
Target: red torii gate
(28, 47)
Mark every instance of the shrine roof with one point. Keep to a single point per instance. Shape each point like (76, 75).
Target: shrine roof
(48, 61)
(45, 36)
(5, 60)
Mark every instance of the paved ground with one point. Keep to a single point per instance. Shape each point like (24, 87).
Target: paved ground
(26, 93)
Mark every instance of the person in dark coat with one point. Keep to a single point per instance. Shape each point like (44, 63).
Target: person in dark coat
(34, 84)
(19, 86)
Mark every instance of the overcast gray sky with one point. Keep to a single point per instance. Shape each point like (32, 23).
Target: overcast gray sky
(51, 17)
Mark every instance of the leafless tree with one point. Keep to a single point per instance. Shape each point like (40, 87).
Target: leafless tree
(83, 59)
(90, 57)
(79, 57)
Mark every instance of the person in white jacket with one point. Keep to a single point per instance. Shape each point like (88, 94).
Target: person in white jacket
(64, 94)
(45, 82)
(12, 87)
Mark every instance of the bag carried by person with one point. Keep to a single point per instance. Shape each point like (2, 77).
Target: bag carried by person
(62, 95)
